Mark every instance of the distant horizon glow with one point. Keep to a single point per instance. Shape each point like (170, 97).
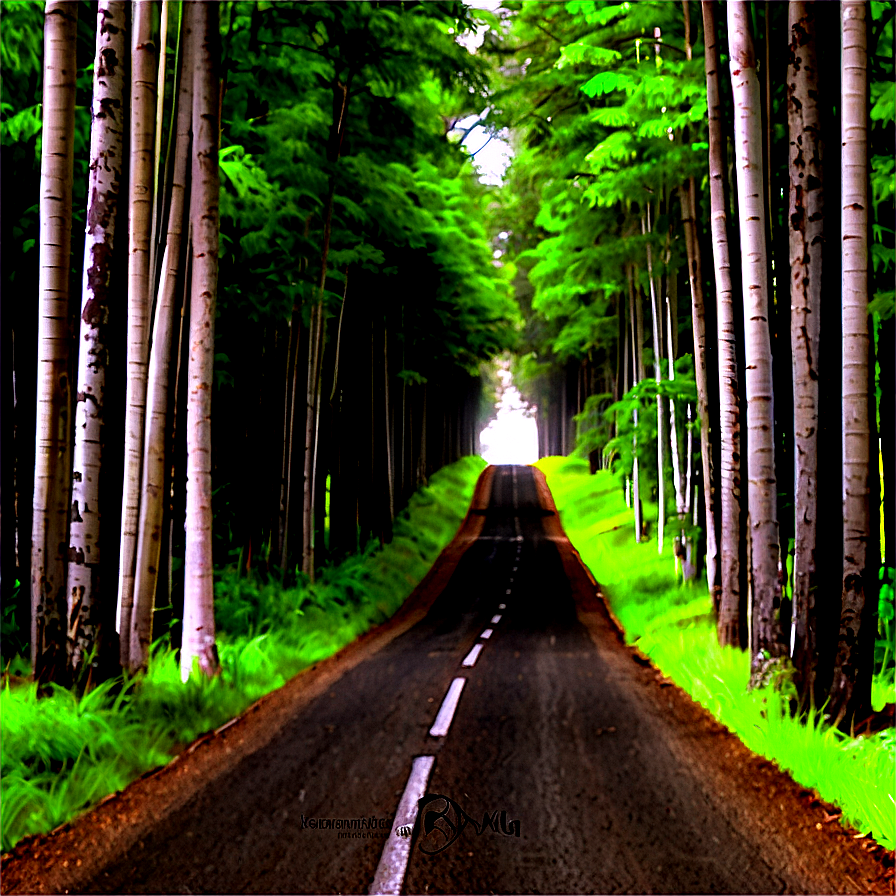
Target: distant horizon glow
(511, 438)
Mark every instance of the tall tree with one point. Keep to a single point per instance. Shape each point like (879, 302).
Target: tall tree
(657, 324)
(49, 538)
(86, 612)
(160, 380)
(732, 624)
(699, 316)
(141, 187)
(851, 687)
(199, 622)
(767, 643)
(806, 225)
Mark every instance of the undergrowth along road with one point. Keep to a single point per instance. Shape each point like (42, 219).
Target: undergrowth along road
(672, 624)
(62, 755)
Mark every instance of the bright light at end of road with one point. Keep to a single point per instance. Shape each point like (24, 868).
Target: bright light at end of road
(512, 438)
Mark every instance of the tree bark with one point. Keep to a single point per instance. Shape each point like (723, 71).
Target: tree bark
(732, 556)
(85, 599)
(154, 467)
(767, 643)
(658, 375)
(638, 369)
(199, 623)
(701, 373)
(806, 220)
(51, 506)
(144, 55)
(851, 686)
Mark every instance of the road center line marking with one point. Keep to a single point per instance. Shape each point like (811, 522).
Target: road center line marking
(507, 591)
(390, 872)
(496, 619)
(449, 705)
(502, 606)
(472, 656)
(486, 634)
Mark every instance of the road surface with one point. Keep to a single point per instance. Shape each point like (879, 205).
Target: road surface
(567, 766)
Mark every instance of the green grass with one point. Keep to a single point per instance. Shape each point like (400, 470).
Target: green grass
(59, 755)
(672, 624)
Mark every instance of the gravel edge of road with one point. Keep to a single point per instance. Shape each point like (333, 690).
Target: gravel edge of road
(65, 859)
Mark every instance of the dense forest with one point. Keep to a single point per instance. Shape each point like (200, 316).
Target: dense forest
(293, 284)
(671, 162)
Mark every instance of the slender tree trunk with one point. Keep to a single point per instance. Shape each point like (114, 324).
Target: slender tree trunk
(850, 690)
(315, 352)
(141, 187)
(730, 625)
(767, 644)
(806, 217)
(637, 371)
(51, 503)
(657, 365)
(315, 340)
(291, 394)
(154, 498)
(673, 427)
(85, 608)
(701, 366)
(199, 622)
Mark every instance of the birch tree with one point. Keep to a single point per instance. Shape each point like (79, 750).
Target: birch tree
(850, 689)
(730, 625)
(199, 621)
(141, 180)
(806, 224)
(154, 474)
(688, 195)
(656, 320)
(762, 492)
(49, 537)
(85, 604)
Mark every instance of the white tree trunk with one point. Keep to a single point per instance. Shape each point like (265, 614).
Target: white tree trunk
(657, 366)
(85, 608)
(731, 547)
(199, 620)
(806, 220)
(49, 534)
(848, 690)
(144, 55)
(680, 499)
(762, 488)
(152, 504)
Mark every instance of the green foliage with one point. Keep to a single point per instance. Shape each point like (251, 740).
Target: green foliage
(61, 754)
(673, 625)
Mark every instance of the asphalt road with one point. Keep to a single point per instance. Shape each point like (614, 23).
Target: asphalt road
(592, 775)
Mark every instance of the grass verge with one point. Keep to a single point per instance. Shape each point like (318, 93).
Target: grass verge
(60, 756)
(672, 624)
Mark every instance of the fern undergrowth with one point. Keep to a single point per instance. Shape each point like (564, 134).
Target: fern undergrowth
(60, 755)
(672, 624)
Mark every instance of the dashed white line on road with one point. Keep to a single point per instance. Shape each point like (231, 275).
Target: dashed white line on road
(486, 634)
(393, 864)
(449, 705)
(507, 591)
(496, 618)
(472, 656)
(502, 606)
